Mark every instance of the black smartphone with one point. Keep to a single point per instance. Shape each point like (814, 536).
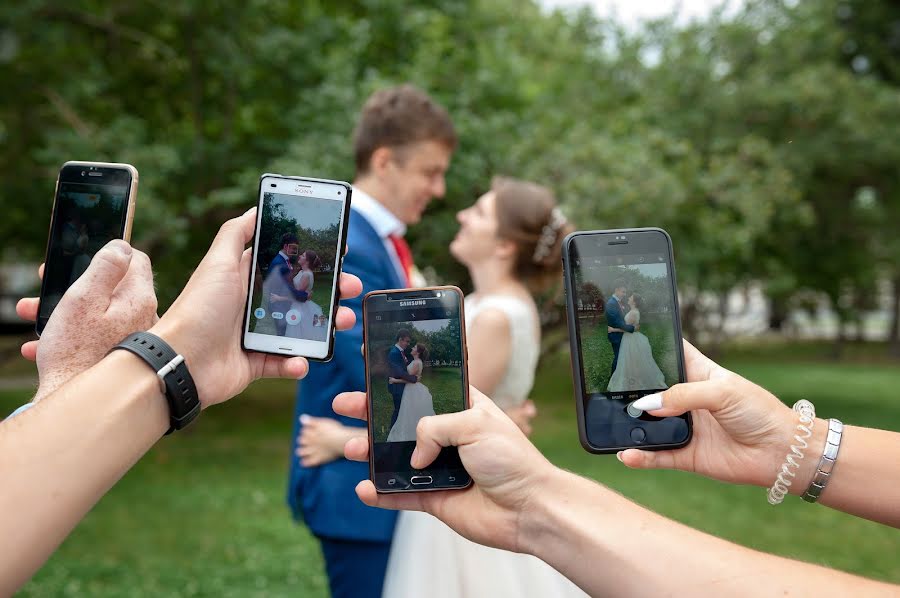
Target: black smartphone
(94, 204)
(625, 335)
(298, 249)
(415, 350)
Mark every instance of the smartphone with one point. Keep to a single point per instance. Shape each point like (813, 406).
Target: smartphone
(93, 204)
(625, 335)
(415, 353)
(298, 249)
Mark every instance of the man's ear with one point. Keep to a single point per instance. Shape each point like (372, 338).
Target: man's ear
(380, 161)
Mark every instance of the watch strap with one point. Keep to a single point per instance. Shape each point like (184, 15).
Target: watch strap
(175, 379)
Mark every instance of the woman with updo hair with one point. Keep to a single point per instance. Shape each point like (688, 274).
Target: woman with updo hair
(510, 241)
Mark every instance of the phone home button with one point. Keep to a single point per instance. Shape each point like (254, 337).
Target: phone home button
(418, 480)
(638, 435)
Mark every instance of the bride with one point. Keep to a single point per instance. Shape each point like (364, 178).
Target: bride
(310, 312)
(416, 401)
(510, 242)
(636, 368)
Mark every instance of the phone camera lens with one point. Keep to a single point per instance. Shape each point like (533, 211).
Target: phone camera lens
(340, 192)
(272, 185)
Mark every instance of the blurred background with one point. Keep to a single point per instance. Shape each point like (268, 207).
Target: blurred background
(764, 135)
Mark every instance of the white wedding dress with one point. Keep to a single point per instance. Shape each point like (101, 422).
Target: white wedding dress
(415, 404)
(309, 312)
(430, 559)
(636, 368)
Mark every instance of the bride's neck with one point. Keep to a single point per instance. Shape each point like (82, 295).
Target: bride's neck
(492, 277)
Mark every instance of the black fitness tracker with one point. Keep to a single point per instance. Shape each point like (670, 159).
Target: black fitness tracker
(175, 380)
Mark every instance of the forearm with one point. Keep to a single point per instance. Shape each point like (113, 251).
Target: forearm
(61, 456)
(610, 546)
(866, 478)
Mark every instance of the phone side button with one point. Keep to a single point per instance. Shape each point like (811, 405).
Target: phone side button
(420, 480)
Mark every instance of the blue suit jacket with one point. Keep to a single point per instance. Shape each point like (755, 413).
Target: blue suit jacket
(397, 369)
(616, 319)
(324, 497)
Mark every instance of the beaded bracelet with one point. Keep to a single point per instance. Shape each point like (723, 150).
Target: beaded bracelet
(780, 488)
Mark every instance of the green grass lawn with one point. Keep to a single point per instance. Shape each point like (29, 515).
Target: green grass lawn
(203, 513)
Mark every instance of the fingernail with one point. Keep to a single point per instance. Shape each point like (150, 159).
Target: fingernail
(619, 456)
(649, 403)
(119, 245)
(305, 419)
(412, 460)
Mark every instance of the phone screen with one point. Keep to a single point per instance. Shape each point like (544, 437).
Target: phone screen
(628, 335)
(415, 348)
(297, 253)
(90, 210)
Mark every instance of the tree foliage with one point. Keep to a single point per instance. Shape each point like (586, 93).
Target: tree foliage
(764, 142)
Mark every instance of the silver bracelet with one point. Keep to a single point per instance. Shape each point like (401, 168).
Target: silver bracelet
(826, 464)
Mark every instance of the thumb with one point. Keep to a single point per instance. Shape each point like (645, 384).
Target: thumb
(454, 429)
(712, 395)
(106, 270)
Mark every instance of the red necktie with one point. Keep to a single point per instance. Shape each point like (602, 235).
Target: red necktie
(405, 255)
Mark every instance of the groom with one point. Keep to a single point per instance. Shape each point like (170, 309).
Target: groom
(397, 363)
(615, 318)
(278, 288)
(402, 147)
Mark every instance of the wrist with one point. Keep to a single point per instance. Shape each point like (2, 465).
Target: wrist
(539, 526)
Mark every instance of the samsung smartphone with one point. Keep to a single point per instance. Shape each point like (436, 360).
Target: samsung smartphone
(415, 348)
(94, 204)
(298, 248)
(622, 308)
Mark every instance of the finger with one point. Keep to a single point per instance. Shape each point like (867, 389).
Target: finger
(712, 395)
(345, 319)
(27, 308)
(29, 350)
(638, 459)
(137, 289)
(351, 285)
(357, 449)
(438, 431)
(244, 268)
(41, 271)
(283, 367)
(233, 236)
(107, 269)
(403, 501)
(351, 404)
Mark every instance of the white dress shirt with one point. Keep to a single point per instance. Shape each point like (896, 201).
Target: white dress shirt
(383, 221)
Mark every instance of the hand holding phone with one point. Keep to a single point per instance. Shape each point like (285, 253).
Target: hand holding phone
(298, 248)
(625, 336)
(415, 352)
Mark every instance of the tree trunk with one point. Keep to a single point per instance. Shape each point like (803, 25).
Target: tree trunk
(894, 330)
(778, 313)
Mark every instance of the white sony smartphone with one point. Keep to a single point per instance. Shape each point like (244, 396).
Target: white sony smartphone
(298, 248)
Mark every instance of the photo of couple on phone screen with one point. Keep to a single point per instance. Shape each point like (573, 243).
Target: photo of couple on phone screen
(296, 254)
(625, 317)
(415, 371)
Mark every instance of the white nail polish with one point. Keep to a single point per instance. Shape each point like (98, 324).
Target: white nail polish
(650, 402)
(304, 419)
